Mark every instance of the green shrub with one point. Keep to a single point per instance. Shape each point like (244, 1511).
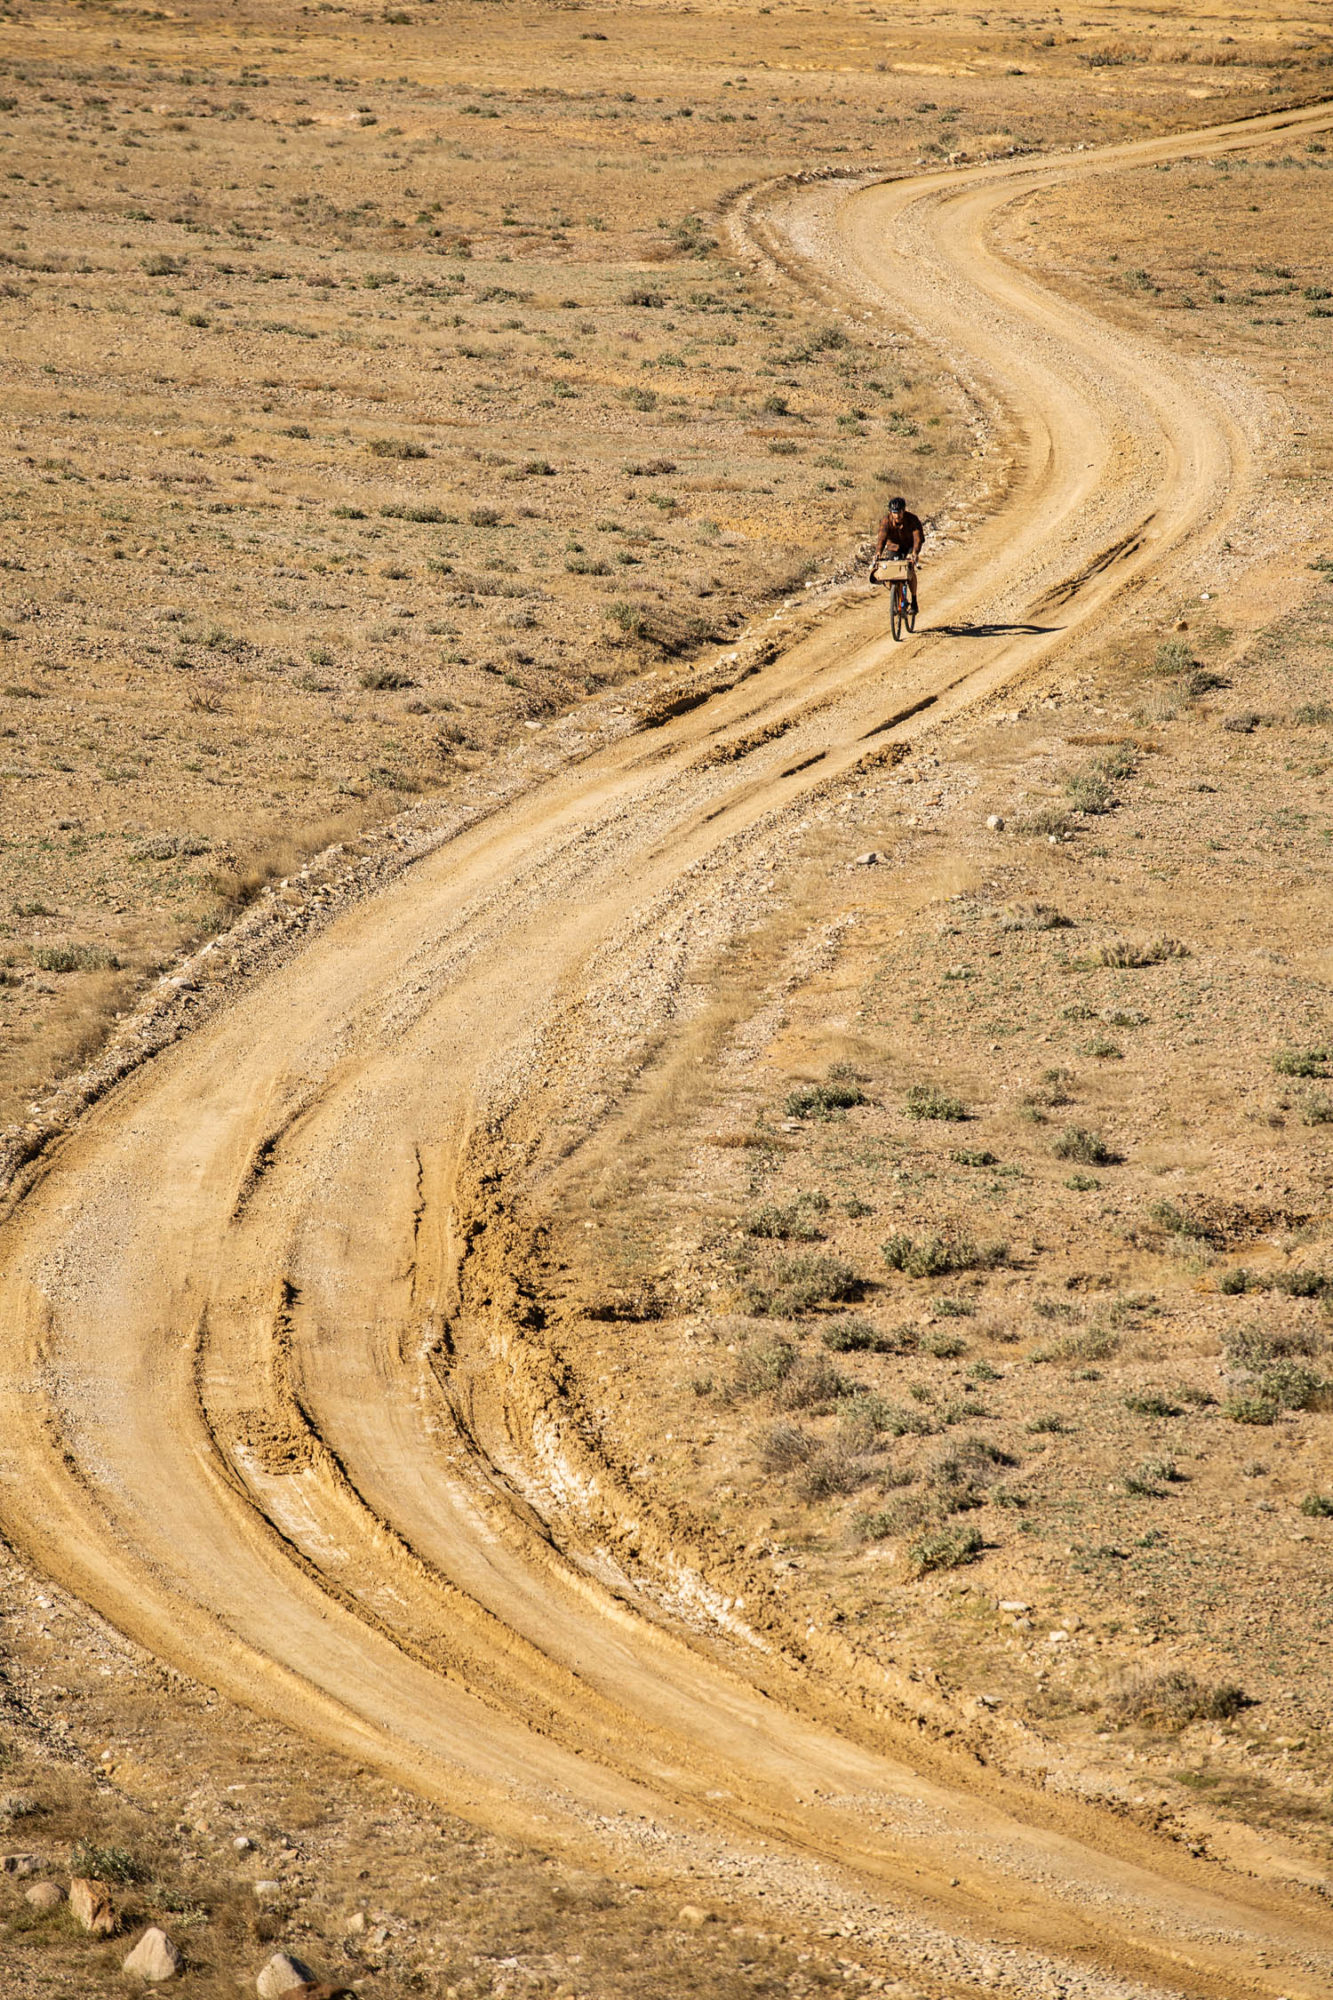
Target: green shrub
(1252, 1409)
(936, 1256)
(1151, 1477)
(798, 1285)
(791, 1220)
(395, 448)
(1089, 1148)
(858, 1336)
(1150, 1404)
(1319, 1506)
(74, 958)
(105, 1864)
(1173, 656)
(950, 1548)
(1301, 1062)
(824, 1100)
(385, 679)
(759, 1369)
(925, 1101)
(1177, 1222)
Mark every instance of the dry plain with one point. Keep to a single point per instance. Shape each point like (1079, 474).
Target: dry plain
(922, 1268)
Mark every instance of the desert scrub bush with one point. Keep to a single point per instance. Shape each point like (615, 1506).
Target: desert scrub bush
(842, 1092)
(950, 1548)
(1302, 1062)
(1251, 1406)
(1178, 1222)
(812, 1383)
(937, 1256)
(1148, 1403)
(1314, 1108)
(902, 1516)
(942, 1346)
(1121, 956)
(797, 1285)
(1174, 1699)
(383, 680)
(830, 1474)
(1093, 1343)
(1173, 656)
(1318, 1506)
(1048, 822)
(1048, 1423)
(219, 640)
(1033, 917)
(760, 1369)
(1151, 1477)
(858, 1336)
(168, 846)
(395, 448)
(106, 1864)
(785, 1221)
(1088, 1148)
(962, 1471)
(925, 1101)
(74, 958)
(951, 1308)
(785, 1447)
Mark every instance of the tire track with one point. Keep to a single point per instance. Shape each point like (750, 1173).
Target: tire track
(306, 1441)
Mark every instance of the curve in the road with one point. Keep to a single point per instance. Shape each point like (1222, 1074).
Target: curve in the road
(270, 1401)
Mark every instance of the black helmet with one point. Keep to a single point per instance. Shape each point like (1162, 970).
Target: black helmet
(897, 505)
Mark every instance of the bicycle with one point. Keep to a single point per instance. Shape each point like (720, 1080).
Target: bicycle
(899, 580)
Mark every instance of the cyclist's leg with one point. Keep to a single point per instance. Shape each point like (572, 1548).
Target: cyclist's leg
(911, 573)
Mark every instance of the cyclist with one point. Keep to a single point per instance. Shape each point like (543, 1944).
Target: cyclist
(900, 535)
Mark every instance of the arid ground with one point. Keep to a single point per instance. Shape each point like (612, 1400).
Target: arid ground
(666, 1280)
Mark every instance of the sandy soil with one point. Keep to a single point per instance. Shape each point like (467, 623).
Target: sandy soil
(314, 1392)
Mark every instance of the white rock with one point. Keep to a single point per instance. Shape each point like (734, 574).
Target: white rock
(266, 1891)
(280, 1975)
(242, 1843)
(871, 860)
(1014, 1604)
(154, 1958)
(45, 1895)
(996, 822)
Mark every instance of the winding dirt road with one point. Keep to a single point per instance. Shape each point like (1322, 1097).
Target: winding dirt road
(269, 1397)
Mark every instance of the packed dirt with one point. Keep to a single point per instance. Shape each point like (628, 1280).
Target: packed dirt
(702, 1357)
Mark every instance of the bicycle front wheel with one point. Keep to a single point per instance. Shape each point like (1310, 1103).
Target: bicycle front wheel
(896, 602)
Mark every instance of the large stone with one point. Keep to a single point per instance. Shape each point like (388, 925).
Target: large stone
(154, 1958)
(92, 1906)
(45, 1895)
(281, 1974)
(20, 1864)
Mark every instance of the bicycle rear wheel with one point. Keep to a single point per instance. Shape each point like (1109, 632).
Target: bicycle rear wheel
(897, 598)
